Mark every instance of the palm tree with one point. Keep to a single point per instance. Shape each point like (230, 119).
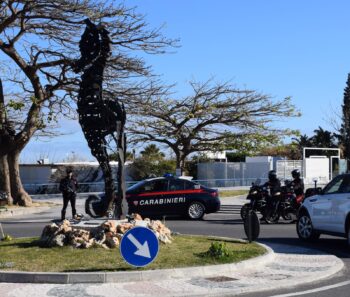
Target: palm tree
(152, 153)
(302, 141)
(323, 138)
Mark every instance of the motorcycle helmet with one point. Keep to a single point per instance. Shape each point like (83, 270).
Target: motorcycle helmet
(272, 175)
(296, 173)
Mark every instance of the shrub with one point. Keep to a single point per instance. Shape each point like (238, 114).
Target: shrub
(218, 250)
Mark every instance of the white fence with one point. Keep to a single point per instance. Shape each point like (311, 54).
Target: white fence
(285, 167)
(243, 173)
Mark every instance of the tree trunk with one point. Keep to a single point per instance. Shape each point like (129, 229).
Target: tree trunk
(5, 178)
(4, 168)
(109, 185)
(180, 162)
(19, 195)
(121, 205)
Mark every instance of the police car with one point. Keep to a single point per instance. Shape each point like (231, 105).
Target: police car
(168, 195)
(328, 212)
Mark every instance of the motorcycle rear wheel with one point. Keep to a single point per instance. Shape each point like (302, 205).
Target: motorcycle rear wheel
(287, 216)
(90, 206)
(272, 218)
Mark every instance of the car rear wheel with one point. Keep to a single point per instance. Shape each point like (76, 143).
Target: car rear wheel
(305, 229)
(196, 210)
(348, 235)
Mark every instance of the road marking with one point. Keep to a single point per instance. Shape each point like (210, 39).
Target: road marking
(325, 288)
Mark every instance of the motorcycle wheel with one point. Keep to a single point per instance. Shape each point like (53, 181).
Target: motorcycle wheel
(288, 213)
(272, 218)
(244, 210)
(92, 205)
(287, 216)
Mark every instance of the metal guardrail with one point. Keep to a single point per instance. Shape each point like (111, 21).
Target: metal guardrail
(52, 188)
(228, 183)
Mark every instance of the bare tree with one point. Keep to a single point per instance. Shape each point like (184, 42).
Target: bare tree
(217, 116)
(39, 41)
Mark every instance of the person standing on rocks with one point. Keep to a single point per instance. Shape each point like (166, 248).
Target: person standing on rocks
(68, 187)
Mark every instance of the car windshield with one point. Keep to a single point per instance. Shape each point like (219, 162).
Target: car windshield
(156, 185)
(189, 185)
(135, 186)
(340, 184)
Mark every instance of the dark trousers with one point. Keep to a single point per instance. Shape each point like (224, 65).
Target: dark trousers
(68, 197)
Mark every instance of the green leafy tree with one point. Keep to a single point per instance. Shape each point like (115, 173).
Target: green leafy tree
(152, 153)
(290, 151)
(324, 138)
(344, 133)
(129, 156)
(321, 138)
(144, 168)
(151, 164)
(301, 142)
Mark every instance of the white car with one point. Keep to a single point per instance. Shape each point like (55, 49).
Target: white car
(327, 212)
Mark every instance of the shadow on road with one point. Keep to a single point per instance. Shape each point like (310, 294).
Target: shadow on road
(335, 246)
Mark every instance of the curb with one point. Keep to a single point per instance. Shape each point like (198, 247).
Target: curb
(9, 213)
(277, 285)
(134, 276)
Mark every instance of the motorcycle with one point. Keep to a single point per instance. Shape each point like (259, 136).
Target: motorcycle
(257, 196)
(283, 204)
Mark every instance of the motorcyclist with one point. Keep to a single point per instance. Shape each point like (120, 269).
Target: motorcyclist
(298, 185)
(274, 186)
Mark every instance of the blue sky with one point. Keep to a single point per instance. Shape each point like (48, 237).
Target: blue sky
(283, 48)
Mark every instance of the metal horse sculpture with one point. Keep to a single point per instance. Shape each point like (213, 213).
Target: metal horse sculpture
(100, 117)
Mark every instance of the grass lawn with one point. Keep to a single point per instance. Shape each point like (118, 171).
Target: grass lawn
(25, 255)
(231, 193)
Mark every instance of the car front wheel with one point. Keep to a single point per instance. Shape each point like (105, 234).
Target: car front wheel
(305, 229)
(348, 235)
(196, 211)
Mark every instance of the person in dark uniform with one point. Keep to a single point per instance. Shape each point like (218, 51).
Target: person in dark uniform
(298, 185)
(68, 187)
(274, 186)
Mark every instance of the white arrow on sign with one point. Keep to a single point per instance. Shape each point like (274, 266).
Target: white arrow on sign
(142, 249)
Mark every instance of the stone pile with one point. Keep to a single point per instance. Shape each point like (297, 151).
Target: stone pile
(108, 235)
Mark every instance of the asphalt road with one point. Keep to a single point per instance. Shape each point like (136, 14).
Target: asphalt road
(227, 223)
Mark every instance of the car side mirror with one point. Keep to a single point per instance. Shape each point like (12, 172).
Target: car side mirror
(319, 191)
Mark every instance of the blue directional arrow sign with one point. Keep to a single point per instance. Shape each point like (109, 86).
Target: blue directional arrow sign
(139, 246)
